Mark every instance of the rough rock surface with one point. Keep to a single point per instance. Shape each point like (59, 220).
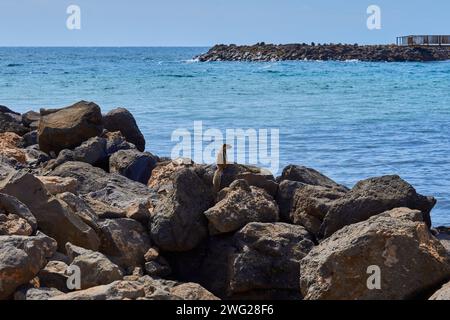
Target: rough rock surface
(268, 257)
(133, 164)
(69, 127)
(118, 290)
(109, 195)
(21, 258)
(239, 205)
(57, 185)
(54, 275)
(442, 294)
(373, 196)
(311, 204)
(122, 120)
(9, 147)
(308, 176)
(96, 269)
(410, 259)
(124, 241)
(53, 216)
(177, 223)
(11, 205)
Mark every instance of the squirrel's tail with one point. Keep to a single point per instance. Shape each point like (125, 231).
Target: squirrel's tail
(217, 180)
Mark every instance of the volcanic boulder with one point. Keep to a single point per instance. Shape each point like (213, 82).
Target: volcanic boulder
(409, 259)
(69, 127)
(122, 120)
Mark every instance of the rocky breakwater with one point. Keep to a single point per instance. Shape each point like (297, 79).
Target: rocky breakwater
(78, 192)
(324, 52)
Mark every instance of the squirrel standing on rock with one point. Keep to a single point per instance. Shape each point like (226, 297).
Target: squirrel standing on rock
(221, 165)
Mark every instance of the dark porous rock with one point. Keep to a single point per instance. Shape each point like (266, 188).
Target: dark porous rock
(268, 258)
(12, 205)
(371, 197)
(31, 119)
(69, 127)
(207, 264)
(54, 275)
(37, 294)
(442, 294)
(53, 216)
(122, 120)
(311, 204)
(158, 268)
(29, 139)
(125, 242)
(92, 151)
(21, 258)
(11, 122)
(5, 109)
(177, 222)
(239, 205)
(115, 141)
(80, 208)
(285, 198)
(96, 269)
(410, 259)
(118, 290)
(109, 195)
(133, 164)
(308, 176)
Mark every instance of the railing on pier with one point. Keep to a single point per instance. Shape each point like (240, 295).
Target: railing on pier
(430, 40)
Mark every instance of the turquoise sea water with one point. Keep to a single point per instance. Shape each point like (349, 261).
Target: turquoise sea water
(350, 120)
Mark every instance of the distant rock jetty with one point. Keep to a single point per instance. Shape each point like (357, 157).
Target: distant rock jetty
(325, 52)
(78, 191)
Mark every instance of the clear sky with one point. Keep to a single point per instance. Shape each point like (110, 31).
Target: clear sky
(207, 22)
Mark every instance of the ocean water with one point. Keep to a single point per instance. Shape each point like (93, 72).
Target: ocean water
(349, 120)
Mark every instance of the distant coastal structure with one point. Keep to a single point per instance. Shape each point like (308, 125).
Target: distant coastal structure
(424, 40)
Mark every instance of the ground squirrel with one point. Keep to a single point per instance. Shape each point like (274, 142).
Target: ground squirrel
(221, 165)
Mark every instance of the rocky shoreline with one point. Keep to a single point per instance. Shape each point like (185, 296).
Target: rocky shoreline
(325, 52)
(78, 191)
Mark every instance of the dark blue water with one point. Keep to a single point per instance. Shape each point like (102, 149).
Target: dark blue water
(350, 120)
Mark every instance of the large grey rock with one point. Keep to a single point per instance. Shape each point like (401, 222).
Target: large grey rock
(122, 120)
(109, 195)
(54, 275)
(311, 204)
(239, 205)
(267, 259)
(410, 259)
(96, 269)
(308, 176)
(177, 222)
(69, 127)
(371, 197)
(133, 164)
(21, 258)
(53, 216)
(125, 242)
(285, 198)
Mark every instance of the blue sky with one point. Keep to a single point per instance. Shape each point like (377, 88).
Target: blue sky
(206, 22)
